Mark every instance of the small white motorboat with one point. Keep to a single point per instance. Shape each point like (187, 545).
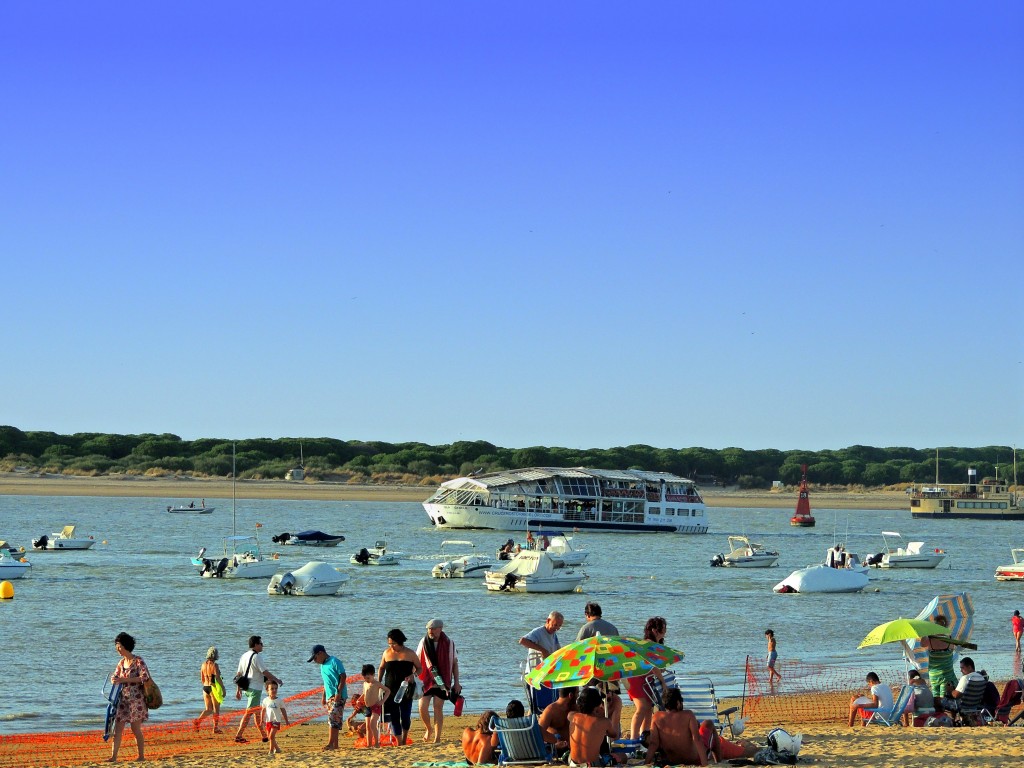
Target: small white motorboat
(311, 538)
(12, 567)
(64, 540)
(242, 559)
(824, 578)
(1013, 572)
(191, 509)
(376, 555)
(314, 579)
(910, 555)
(559, 546)
(11, 551)
(467, 566)
(743, 553)
(533, 571)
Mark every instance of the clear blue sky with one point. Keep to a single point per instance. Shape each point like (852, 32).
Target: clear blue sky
(587, 224)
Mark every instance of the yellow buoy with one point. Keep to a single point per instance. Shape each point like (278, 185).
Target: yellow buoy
(6, 590)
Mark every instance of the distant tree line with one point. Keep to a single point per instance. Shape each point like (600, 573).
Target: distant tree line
(91, 453)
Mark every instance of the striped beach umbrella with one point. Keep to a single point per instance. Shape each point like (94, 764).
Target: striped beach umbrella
(959, 612)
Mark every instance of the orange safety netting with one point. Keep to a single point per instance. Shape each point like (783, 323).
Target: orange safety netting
(32, 750)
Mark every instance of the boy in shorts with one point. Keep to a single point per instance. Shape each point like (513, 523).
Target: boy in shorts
(374, 694)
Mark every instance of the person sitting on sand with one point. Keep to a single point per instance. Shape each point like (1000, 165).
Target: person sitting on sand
(675, 737)
(879, 696)
(478, 743)
(554, 720)
(588, 731)
(723, 749)
(358, 710)
(922, 703)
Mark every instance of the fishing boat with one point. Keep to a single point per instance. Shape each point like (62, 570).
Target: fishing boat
(532, 571)
(463, 566)
(803, 517)
(314, 579)
(910, 555)
(578, 498)
(989, 499)
(65, 539)
(1013, 572)
(191, 509)
(743, 553)
(242, 557)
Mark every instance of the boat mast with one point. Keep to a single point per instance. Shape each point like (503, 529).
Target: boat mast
(936, 467)
(232, 495)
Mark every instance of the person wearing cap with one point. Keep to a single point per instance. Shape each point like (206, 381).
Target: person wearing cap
(335, 691)
(440, 677)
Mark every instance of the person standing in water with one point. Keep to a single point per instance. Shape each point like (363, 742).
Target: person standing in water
(773, 656)
(1018, 628)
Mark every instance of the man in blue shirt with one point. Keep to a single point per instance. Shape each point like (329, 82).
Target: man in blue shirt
(335, 691)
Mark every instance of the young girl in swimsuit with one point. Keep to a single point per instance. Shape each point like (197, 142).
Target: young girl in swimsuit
(374, 694)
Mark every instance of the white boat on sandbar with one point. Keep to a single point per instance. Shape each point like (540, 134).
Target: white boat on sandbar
(533, 571)
(468, 566)
(1013, 572)
(912, 555)
(744, 553)
(13, 568)
(314, 579)
(65, 539)
(826, 578)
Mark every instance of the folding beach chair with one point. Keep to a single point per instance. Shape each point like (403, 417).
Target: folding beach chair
(1013, 693)
(539, 698)
(969, 709)
(655, 690)
(890, 715)
(699, 697)
(520, 741)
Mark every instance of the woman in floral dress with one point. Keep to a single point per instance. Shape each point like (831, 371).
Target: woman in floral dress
(132, 674)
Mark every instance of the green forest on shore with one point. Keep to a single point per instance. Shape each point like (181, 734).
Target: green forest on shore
(357, 461)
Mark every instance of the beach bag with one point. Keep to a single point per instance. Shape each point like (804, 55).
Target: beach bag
(242, 679)
(151, 693)
(217, 690)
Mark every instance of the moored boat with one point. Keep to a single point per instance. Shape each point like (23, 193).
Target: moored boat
(822, 578)
(191, 509)
(743, 553)
(803, 517)
(912, 555)
(314, 579)
(65, 539)
(310, 538)
(1013, 572)
(465, 566)
(533, 571)
(577, 498)
(376, 555)
(13, 568)
(242, 559)
(989, 499)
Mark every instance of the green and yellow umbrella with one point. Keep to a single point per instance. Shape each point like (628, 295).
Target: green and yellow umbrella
(601, 659)
(902, 629)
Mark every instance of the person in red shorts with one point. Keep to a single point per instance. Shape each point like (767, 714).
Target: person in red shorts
(722, 748)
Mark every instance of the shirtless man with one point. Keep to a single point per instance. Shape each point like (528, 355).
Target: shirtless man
(588, 729)
(675, 735)
(478, 743)
(554, 720)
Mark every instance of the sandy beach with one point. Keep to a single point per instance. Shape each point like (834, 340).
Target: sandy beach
(186, 488)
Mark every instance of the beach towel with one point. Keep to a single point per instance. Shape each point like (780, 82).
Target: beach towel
(439, 657)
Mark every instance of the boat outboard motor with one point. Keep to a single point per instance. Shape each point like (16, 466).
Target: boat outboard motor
(874, 559)
(287, 583)
(281, 538)
(363, 556)
(718, 560)
(40, 543)
(221, 567)
(510, 582)
(207, 566)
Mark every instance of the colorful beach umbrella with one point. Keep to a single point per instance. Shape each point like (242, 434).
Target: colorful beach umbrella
(959, 612)
(902, 629)
(601, 659)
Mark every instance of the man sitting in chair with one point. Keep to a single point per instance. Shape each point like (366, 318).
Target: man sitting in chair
(589, 731)
(675, 735)
(554, 720)
(967, 675)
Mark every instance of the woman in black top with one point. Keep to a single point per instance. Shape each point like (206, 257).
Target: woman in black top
(399, 664)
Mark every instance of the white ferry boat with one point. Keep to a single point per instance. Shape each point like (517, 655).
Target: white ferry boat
(990, 499)
(583, 499)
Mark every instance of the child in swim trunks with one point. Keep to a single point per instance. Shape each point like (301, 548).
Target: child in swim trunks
(374, 694)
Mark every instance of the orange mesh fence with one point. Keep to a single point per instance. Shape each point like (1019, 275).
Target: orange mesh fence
(162, 739)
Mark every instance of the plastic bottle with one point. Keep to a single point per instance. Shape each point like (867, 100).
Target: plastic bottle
(400, 694)
(460, 702)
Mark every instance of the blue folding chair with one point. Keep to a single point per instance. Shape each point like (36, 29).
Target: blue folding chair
(520, 741)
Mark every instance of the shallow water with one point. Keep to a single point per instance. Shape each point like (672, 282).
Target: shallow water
(58, 631)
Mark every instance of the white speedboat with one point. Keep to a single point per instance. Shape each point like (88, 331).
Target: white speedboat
(1013, 572)
(6, 548)
(533, 571)
(559, 546)
(242, 559)
(823, 578)
(190, 510)
(311, 580)
(375, 555)
(13, 568)
(910, 555)
(311, 538)
(467, 566)
(66, 539)
(743, 553)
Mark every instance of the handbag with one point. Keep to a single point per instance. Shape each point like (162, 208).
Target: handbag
(151, 693)
(242, 680)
